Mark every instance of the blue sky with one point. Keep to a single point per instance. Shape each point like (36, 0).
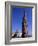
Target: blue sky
(17, 14)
